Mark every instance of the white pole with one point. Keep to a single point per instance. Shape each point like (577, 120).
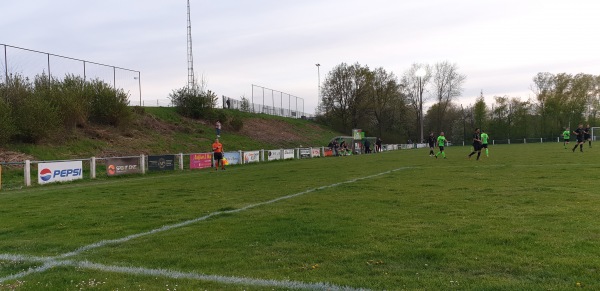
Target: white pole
(27, 173)
(142, 164)
(93, 168)
(181, 161)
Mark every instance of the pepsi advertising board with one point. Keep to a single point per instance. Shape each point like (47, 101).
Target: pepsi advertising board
(59, 172)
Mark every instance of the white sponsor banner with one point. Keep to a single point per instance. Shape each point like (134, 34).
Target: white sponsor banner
(231, 158)
(316, 152)
(274, 155)
(288, 154)
(305, 153)
(251, 157)
(59, 172)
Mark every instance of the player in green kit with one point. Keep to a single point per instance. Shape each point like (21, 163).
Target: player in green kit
(566, 137)
(441, 140)
(484, 142)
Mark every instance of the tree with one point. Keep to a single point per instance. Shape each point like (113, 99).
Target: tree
(345, 94)
(480, 112)
(414, 87)
(386, 99)
(447, 84)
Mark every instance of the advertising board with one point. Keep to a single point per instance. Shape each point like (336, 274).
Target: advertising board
(316, 152)
(201, 161)
(121, 166)
(231, 158)
(59, 172)
(251, 157)
(288, 154)
(274, 155)
(161, 163)
(304, 153)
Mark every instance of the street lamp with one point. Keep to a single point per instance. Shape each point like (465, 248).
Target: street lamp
(420, 73)
(319, 84)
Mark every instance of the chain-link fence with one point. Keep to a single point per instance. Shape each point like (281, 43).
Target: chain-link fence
(269, 101)
(29, 64)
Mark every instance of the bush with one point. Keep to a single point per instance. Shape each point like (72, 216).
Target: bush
(236, 124)
(107, 105)
(194, 102)
(7, 128)
(33, 115)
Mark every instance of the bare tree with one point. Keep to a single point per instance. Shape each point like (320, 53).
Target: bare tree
(414, 81)
(447, 84)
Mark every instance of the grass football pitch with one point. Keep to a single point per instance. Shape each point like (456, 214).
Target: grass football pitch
(524, 218)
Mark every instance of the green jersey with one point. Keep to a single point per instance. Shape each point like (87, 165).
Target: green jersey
(566, 134)
(484, 138)
(441, 140)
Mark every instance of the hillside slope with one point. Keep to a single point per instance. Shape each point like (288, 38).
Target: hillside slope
(161, 131)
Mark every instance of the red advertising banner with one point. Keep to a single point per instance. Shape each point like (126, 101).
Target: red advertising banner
(201, 161)
(328, 152)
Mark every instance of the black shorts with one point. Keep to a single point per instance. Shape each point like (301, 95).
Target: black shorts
(218, 156)
(476, 146)
(579, 139)
(484, 145)
(431, 145)
(586, 137)
(441, 148)
(567, 139)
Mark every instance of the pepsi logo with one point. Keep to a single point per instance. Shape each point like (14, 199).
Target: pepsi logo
(45, 174)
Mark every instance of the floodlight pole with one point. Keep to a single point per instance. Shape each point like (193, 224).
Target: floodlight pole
(319, 84)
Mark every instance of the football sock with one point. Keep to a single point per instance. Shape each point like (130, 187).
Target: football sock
(444, 155)
(478, 154)
(581, 147)
(487, 154)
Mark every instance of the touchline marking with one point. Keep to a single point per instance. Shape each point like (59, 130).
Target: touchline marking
(50, 262)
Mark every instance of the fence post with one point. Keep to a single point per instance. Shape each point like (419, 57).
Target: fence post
(524, 140)
(93, 168)
(142, 164)
(181, 161)
(541, 140)
(262, 155)
(509, 141)
(241, 157)
(493, 142)
(27, 173)
(297, 153)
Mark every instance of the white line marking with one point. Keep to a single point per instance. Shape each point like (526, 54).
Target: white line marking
(50, 262)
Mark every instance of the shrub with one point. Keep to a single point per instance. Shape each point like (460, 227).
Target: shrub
(236, 124)
(33, 115)
(7, 128)
(108, 105)
(194, 102)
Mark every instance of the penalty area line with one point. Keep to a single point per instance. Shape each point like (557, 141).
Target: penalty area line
(138, 271)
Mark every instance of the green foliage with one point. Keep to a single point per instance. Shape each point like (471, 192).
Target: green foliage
(45, 108)
(7, 128)
(194, 102)
(107, 105)
(236, 124)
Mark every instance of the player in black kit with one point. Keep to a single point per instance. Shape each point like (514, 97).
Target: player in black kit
(431, 141)
(579, 134)
(476, 144)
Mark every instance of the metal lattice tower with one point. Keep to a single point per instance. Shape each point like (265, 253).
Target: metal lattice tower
(190, 57)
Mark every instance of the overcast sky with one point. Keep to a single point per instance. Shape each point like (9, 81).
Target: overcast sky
(499, 45)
